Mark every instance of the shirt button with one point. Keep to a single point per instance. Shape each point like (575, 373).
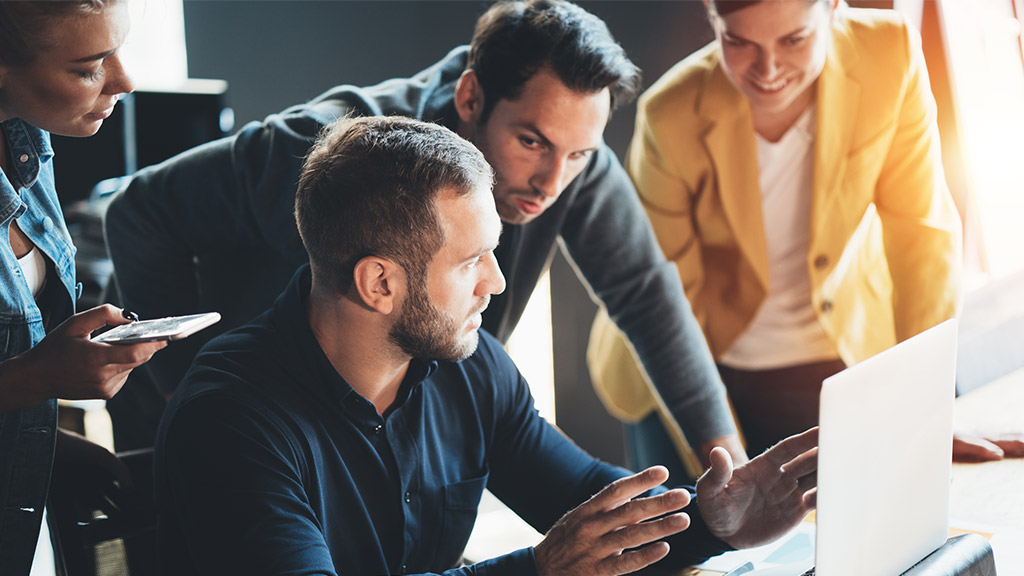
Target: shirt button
(23, 158)
(404, 568)
(821, 262)
(408, 497)
(47, 224)
(826, 306)
(377, 429)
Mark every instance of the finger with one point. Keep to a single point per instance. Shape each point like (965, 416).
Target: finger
(128, 356)
(974, 449)
(792, 447)
(641, 509)
(808, 482)
(625, 489)
(810, 499)
(84, 323)
(720, 472)
(640, 534)
(634, 560)
(802, 465)
(1011, 447)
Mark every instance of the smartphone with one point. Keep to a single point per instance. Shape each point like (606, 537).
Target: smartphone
(172, 328)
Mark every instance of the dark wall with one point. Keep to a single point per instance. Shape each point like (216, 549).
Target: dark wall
(278, 53)
(275, 53)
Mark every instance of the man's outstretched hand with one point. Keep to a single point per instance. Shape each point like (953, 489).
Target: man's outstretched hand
(763, 499)
(612, 533)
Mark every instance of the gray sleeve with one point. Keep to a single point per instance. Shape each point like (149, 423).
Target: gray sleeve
(211, 229)
(610, 241)
(153, 237)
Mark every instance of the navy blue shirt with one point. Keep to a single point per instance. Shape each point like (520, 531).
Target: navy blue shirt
(269, 463)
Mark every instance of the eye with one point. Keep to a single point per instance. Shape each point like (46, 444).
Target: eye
(581, 155)
(732, 42)
(531, 143)
(91, 75)
(794, 40)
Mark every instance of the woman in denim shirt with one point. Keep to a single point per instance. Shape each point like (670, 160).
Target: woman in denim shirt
(59, 72)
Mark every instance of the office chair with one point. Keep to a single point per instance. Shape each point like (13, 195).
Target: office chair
(104, 527)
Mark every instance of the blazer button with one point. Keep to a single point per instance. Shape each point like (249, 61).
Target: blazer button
(826, 306)
(821, 262)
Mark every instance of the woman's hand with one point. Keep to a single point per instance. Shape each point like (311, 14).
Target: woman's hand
(68, 364)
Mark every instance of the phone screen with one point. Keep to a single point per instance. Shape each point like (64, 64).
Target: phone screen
(172, 328)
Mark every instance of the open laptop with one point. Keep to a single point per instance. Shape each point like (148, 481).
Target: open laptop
(884, 460)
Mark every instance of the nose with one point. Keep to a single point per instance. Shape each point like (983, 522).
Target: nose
(767, 66)
(548, 180)
(118, 80)
(493, 281)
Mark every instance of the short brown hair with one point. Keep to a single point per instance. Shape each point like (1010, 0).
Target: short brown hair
(515, 39)
(368, 187)
(25, 25)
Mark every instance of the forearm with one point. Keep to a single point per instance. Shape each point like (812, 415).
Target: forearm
(672, 350)
(611, 241)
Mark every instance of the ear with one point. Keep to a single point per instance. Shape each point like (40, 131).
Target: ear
(469, 97)
(378, 283)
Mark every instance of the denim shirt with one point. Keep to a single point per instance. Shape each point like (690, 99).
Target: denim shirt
(27, 435)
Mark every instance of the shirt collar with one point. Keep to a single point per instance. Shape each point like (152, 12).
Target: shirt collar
(290, 317)
(28, 148)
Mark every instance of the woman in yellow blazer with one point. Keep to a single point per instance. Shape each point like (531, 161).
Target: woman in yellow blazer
(791, 169)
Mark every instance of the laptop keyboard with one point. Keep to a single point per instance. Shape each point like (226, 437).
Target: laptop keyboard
(810, 572)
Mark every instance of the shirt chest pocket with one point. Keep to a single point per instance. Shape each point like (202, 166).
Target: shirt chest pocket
(461, 500)
(16, 336)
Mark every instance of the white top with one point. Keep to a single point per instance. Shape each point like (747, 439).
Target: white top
(33, 268)
(785, 331)
(44, 562)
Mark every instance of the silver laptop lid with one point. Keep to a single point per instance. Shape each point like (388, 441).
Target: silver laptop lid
(884, 463)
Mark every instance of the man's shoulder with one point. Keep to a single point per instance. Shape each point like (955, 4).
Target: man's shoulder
(421, 96)
(248, 361)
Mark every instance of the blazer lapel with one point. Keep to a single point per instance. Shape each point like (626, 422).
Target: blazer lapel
(729, 141)
(838, 96)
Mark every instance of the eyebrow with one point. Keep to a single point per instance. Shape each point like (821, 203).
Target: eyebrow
(94, 57)
(488, 249)
(796, 32)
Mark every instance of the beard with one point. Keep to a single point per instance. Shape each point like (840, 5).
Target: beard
(422, 331)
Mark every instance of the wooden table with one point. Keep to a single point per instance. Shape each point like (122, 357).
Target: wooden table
(991, 493)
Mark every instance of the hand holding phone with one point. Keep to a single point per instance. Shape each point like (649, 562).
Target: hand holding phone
(171, 328)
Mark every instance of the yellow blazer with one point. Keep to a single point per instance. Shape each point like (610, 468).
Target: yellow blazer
(885, 250)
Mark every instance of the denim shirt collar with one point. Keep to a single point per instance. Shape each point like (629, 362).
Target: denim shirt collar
(28, 148)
